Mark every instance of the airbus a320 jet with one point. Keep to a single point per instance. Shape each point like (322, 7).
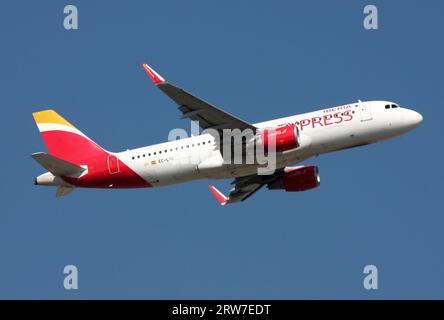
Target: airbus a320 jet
(75, 161)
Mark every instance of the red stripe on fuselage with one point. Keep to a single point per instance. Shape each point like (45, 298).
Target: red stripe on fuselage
(82, 151)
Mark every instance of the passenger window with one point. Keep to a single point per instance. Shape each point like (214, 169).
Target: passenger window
(154, 153)
(203, 142)
(149, 154)
(138, 157)
(133, 158)
(144, 155)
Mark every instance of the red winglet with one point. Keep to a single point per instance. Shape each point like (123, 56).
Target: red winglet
(157, 78)
(219, 195)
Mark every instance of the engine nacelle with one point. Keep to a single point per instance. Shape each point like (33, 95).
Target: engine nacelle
(283, 138)
(297, 179)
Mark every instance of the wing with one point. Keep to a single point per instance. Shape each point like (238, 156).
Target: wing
(244, 187)
(195, 108)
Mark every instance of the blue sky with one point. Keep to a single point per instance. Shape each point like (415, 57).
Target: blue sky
(259, 60)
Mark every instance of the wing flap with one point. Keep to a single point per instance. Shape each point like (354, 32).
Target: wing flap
(237, 195)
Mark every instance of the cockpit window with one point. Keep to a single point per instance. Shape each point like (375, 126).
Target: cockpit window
(394, 106)
(387, 106)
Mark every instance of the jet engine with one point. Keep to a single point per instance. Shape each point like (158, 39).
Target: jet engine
(283, 138)
(297, 179)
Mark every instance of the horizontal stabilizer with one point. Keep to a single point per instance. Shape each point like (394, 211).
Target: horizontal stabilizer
(56, 166)
(63, 191)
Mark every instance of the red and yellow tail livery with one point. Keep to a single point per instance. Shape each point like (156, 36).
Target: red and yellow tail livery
(65, 141)
(69, 147)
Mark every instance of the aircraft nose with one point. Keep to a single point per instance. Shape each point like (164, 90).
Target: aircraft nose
(412, 118)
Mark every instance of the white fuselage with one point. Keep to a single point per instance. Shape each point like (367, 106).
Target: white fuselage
(322, 131)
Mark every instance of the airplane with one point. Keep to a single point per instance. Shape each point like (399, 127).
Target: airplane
(76, 161)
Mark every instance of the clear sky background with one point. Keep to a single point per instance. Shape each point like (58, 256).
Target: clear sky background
(380, 204)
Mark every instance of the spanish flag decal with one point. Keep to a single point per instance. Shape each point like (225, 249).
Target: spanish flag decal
(153, 162)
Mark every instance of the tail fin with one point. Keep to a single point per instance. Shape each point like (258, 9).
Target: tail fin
(63, 140)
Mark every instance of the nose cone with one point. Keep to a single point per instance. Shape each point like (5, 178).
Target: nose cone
(412, 119)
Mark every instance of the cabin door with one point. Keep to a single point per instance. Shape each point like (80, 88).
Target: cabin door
(366, 112)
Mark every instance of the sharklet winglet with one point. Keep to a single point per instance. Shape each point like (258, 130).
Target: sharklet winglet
(220, 197)
(155, 77)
